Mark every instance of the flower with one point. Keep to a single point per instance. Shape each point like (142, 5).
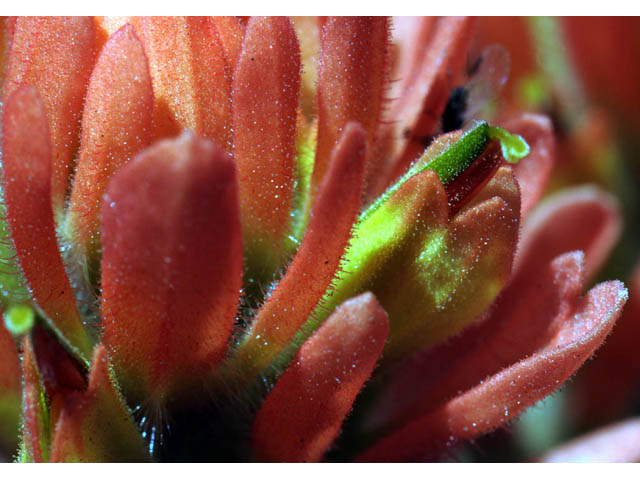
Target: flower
(207, 284)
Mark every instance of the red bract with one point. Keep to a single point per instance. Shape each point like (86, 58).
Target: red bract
(27, 174)
(171, 266)
(61, 76)
(326, 375)
(250, 280)
(117, 126)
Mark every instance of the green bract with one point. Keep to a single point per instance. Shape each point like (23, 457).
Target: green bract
(402, 251)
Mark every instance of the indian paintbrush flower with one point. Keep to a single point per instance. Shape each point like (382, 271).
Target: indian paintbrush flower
(223, 261)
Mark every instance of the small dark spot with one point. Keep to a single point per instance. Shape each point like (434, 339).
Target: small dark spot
(425, 140)
(453, 116)
(475, 66)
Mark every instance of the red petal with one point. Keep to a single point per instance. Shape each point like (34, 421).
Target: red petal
(534, 170)
(9, 364)
(411, 37)
(55, 55)
(466, 185)
(504, 185)
(191, 82)
(308, 31)
(584, 219)
(36, 429)
(27, 168)
(425, 99)
(318, 257)
(319, 387)
(231, 33)
(107, 26)
(171, 266)
(528, 312)
(59, 373)
(7, 25)
(351, 81)
(115, 127)
(507, 393)
(266, 87)
(614, 443)
(606, 386)
(10, 389)
(95, 425)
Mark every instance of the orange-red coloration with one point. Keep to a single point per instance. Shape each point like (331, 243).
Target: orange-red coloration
(605, 387)
(230, 33)
(351, 82)
(60, 375)
(605, 51)
(416, 118)
(314, 266)
(266, 87)
(116, 126)
(580, 219)
(507, 393)
(470, 182)
(27, 189)
(534, 170)
(95, 426)
(9, 364)
(55, 55)
(541, 295)
(503, 184)
(320, 385)
(7, 25)
(171, 266)
(191, 81)
(35, 429)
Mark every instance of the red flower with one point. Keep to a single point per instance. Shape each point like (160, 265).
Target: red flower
(208, 284)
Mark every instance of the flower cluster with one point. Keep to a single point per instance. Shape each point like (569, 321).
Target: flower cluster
(277, 239)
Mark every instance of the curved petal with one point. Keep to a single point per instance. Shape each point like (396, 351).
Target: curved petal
(318, 258)
(95, 425)
(10, 389)
(36, 426)
(115, 127)
(55, 55)
(191, 80)
(527, 313)
(534, 170)
(352, 79)
(7, 25)
(231, 33)
(266, 87)
(606, 385)
(27, 168)
(415, 118)
(320, 385)
(171, 267)
(540, 295)
(308, 30)
(583, 218)
(507, 393)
